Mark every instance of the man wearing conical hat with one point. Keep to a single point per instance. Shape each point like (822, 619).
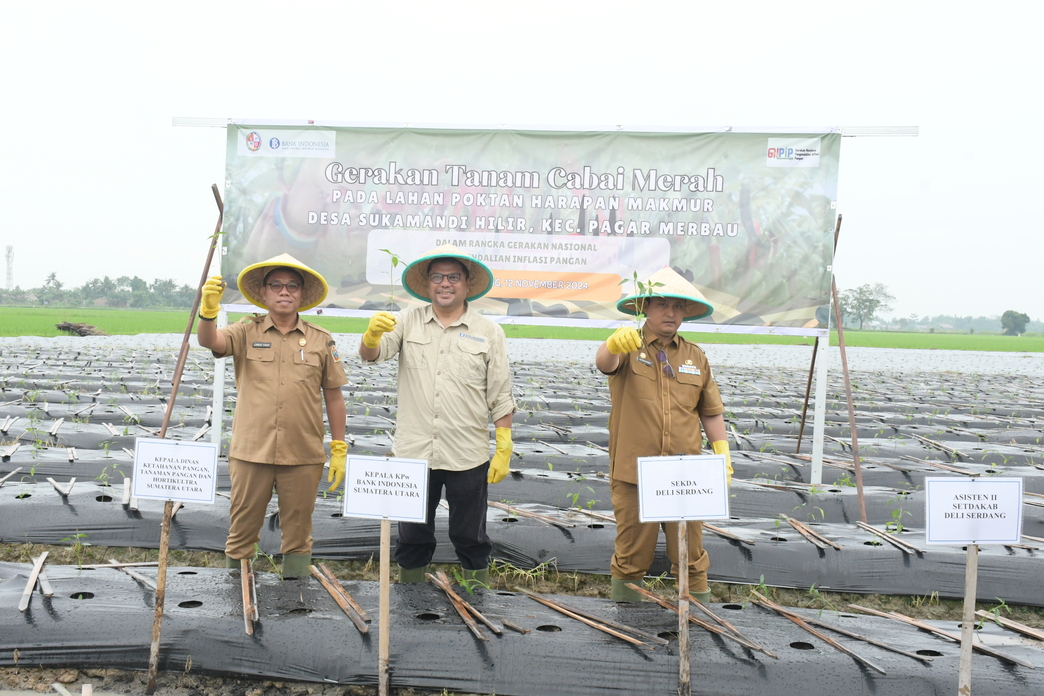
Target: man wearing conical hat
(285, 369)
(453, 379)
(662, 391)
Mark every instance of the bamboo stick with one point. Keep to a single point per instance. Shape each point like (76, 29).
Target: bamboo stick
(339, 599)
(939, 632)
(34, 574)
(717, 630)
(344, 593)
(890, 538)
(769, 604)
(533, 515)
(573, 615)
(1012, 625)
(137, 576)
(441, 581)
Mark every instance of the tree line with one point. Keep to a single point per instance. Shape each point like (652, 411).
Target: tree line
(124, 291)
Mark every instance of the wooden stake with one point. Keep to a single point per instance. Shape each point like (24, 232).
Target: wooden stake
(161, 576)
(383, 638)
(971, 572)
(246, 582)
(848, 398)
(684, 662)
(573, 615)
(332, 588)
(458, 604)
(34, 575)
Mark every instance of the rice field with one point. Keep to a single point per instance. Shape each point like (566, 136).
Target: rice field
(40, 321)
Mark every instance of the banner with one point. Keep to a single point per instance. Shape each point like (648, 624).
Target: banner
(564, 219)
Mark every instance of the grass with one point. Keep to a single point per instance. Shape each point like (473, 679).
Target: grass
(40, 321)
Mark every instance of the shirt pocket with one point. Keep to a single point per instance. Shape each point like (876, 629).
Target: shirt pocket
(260, 364)
(307, 369)
(415, 347)
(472, 359)
(643, 386)
(690, 387)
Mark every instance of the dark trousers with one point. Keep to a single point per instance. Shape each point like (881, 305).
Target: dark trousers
(466, 495)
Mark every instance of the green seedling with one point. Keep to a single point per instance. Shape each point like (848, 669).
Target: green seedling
(469, 584)
(994, 614)
(78, 546)
(271, 561)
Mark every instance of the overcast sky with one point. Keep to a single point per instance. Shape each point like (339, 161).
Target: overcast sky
(97, 181)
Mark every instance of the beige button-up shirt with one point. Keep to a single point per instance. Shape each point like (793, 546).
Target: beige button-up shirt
(279, 383)
(452, 381)
(654, 415)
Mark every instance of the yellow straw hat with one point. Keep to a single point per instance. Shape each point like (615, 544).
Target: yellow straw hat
(252, 278)
(415, 277)
(666, 282)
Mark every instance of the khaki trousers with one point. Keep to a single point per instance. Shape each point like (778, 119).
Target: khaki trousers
(252, 483)
(636, 541)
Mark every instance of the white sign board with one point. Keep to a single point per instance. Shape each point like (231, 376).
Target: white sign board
(171, 470)
(682, 488)
(385, 487)
(973, 511)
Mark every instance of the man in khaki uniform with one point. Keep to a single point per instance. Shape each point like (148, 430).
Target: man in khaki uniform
(662, 390)
(453, 379)
(285, 368)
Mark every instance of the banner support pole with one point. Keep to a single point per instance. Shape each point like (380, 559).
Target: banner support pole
(168, 508)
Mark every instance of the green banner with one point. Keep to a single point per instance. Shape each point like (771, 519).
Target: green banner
(564, 219)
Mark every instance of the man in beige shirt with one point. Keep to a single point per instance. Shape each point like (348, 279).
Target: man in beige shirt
(453, 378)
(285, 368)
(662, 391)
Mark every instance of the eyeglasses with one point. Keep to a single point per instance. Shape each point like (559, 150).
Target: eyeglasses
(278, 287)
(451, 277)
(668, 371)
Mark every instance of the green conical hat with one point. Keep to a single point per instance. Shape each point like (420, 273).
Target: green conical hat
(415, 277)
(667, 283)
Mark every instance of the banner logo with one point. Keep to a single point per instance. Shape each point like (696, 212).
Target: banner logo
(274, 143)
(283, 143)
(253, 141)
(793, 152)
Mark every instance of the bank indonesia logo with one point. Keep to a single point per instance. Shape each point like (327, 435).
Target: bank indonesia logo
(253, 141)
(274, 143)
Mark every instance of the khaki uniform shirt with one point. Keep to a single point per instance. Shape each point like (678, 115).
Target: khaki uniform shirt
(452, 380)
(654, 415)
(279, 383)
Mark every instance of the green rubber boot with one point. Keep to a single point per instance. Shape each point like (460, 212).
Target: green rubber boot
(620, 592)
(474, 577)
(295, 565)
(704, 597)
(409, 575)
(232, 563)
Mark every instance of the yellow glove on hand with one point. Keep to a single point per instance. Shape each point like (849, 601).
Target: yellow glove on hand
(722, 447)
(338, 453)
(380, 324)
(210, 301)
(501, 463)
(624, 340)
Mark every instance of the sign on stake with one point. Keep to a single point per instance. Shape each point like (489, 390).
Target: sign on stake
(972, 511)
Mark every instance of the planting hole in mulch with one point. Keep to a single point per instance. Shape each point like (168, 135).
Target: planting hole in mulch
(428, 616)
(549, 628)
(733, 607)
(802, 645)
(82, 595)
(190, 604)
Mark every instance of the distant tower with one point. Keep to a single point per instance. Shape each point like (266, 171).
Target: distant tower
(10, 267)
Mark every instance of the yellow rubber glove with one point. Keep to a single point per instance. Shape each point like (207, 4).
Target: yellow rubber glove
(380, 324)
(722, 447)
(501, 462)
(338, 453)
(624, 340)
(210, 302)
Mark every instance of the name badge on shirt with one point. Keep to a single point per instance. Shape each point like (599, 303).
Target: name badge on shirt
(261, 344)
(689, 369)
(643, 360)
(480, 339)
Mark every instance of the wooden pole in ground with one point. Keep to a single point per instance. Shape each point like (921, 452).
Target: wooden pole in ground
(971, 572)
(812, 366)
(684, 682)
(848, 398)
(168, 508)
(383, 637)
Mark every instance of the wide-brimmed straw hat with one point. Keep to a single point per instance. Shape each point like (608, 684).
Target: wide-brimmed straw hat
(666, 282)
(252, 278)
(415, 277)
